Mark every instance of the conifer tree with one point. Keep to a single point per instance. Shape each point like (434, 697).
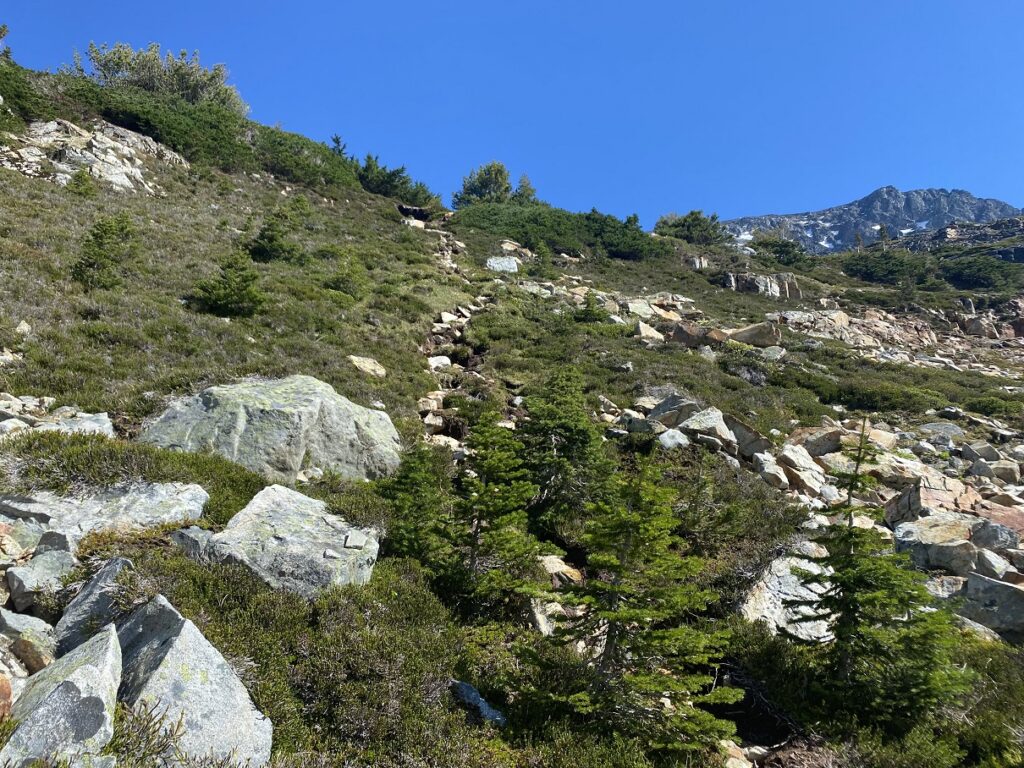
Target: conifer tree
(235, 291)
(422, 501)
(566, 455)
(494, 490)
(648, 663)
(889, 662)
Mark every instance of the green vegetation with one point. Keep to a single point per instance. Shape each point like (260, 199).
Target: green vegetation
(105, 251)
(534, 225)
(646, 670)
(694, 228)
(235, 291)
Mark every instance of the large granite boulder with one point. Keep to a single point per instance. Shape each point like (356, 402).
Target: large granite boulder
(293, 542)
(931, 496)
(995, 604)
(93, 606)
(280, 427)
(771, 598)
(118, 509)
(66, 711)
(940, 541)
(169, 665)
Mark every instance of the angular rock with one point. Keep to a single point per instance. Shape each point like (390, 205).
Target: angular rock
(995, 604)
(94, 606)
(368, 365)
(931, 496)
(770, 471)
(292, 542)
(41, 574)
(940, 541)
(279, 427)
(66, 711)
(507, 264)
(1006, 470)
(673, 410)
(33, 641)
(470, 698)
(649, 334)
(758, 335)
(801, 470)
(748, 440)
(169, 665)
(140, 506)
(710, 422)
(767, 601)
(193, 541)
(672, 439)
(991, 564)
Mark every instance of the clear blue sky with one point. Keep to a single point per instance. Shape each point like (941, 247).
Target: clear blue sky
(735, 106)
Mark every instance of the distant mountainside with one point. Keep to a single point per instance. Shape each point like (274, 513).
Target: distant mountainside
(1003, 238)
(903, 213)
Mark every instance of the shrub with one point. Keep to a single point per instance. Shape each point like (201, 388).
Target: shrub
(393, 182)
(180, 76)
(271, 242)
(82, 184)
(110, 243)
(562, 231)
(234, 291)
(784, 251)
(487, 184)
(982, 272)
(694, 228)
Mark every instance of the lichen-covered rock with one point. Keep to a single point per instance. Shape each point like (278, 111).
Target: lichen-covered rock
(280, 427)
(169, 665)
(940, 541)
(66, 711)
(43, 573)
(94, 606)
(32, 639)
(769, 600)
(119, 509)
(995, 604)
(292, 542)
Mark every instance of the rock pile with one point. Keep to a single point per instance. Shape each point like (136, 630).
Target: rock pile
(55, 150)
(781, 285)
(27, 413)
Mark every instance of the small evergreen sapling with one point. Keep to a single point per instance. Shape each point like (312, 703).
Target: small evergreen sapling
(235, 291)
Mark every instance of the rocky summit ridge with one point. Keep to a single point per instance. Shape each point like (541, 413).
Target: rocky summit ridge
(902, 213)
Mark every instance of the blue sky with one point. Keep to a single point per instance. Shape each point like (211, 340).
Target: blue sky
(735, 106)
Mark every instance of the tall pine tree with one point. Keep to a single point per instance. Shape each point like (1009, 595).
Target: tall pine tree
(647, 663)
(889, 663)
(565, 454)
(500, 555)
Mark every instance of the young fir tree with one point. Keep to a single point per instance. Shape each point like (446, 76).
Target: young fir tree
(565, 454)
(235, 291)
(422, 502)
(500, 555)
(889, 663)
(648, 664)
(110, 244)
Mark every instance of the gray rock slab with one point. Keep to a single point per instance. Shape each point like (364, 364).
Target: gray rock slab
(66, 711)
(169, 665)
(93, 607)
(280, 427)
(293, 542)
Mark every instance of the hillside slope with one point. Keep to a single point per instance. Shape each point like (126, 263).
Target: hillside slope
(338, 478)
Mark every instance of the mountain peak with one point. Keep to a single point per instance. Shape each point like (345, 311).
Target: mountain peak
(900, 212)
